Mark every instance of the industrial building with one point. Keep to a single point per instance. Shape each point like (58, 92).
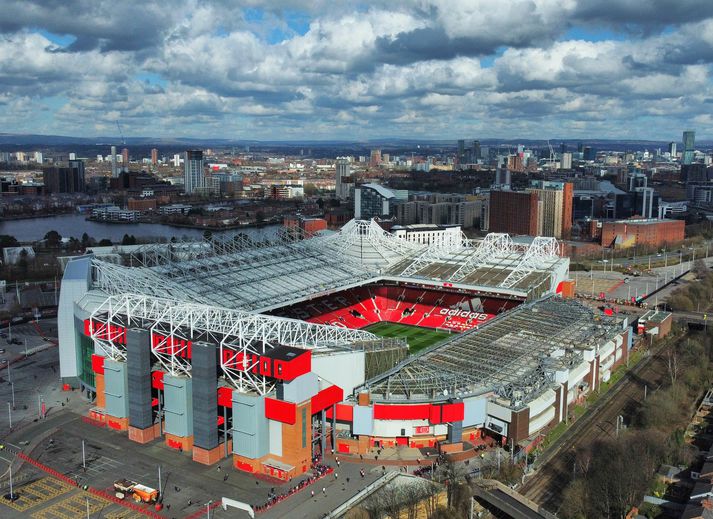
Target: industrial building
(187, 343)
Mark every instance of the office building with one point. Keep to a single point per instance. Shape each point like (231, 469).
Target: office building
(646, 202)
(373, 200)
(114, 169)
(65, 179)
(154, 156)
(193, 175)
(589, 153)
(689, 145)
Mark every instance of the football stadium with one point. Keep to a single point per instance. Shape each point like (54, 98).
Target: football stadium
(271, 352)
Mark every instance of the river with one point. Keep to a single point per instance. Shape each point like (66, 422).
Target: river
(33, 229)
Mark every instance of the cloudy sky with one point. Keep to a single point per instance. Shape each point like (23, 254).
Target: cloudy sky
(333, 69)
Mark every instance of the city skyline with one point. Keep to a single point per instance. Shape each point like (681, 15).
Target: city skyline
(320, 70)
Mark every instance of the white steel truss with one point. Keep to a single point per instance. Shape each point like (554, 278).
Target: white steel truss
(539, 255)
(492, 246)
(173, 323)
(370, 244)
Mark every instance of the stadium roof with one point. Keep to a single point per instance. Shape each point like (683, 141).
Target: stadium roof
(515, 356)
(242, 274)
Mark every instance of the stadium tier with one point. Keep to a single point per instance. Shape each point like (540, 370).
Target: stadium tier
(231, 347)
(363, 306)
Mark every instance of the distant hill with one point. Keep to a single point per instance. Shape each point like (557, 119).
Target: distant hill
(9, 139)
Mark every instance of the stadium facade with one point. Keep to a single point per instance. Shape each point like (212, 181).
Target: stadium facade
(257, 350)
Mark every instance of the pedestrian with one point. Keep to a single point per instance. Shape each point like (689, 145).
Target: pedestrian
(225, 478)
(336, 476)
(312, 493)
(338, 464)
(324, 491)
(218, 468)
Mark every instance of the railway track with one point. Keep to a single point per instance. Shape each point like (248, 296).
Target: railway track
(559, 465)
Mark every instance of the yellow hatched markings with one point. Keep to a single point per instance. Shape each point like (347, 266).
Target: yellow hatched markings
(72, 507)
(123, 514)
(37, 492)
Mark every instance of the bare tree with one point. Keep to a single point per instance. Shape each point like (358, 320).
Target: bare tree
(673, 365)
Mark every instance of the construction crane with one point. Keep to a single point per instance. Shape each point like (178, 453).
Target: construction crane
(121, 134)
(551, 160)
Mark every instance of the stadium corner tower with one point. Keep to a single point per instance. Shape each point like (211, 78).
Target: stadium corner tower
(261, 351)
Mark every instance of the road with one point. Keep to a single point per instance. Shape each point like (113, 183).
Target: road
(547, 485)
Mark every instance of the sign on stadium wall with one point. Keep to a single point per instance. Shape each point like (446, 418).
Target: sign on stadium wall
(465, 314)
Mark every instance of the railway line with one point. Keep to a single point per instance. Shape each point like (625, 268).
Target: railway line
(558, 466)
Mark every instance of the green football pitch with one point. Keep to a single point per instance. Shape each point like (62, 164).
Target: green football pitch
(417, 338)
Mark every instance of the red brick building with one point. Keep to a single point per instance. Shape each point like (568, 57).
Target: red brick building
(513, 212)
(141, 204)
(655, 233)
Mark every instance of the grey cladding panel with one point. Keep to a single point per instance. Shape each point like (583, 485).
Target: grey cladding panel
(205, 398)
(138, 367)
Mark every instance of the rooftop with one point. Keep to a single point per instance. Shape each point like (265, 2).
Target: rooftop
(515, 355)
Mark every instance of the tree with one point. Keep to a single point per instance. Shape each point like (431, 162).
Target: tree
(85, 240)
(53, 239)
(105, 243)
(8, 241)
(207, 235)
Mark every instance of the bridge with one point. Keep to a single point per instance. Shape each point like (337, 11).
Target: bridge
(497, 497)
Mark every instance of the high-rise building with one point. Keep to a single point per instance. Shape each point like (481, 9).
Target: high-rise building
(566, 161)
(154, 156)
(689, 145)
(64, 179)
(38, 157)
(375, 158)
(672, 149)
(503, 178)
(72, 156)
(193, 175)
(554, 208)
(589, 153)
(114, 169)
(513, 212)
(476, 151)
(125, 159)
(344, 183)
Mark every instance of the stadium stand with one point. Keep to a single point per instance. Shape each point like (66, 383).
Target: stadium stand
(362, 306)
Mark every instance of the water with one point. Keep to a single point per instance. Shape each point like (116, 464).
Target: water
(33, 229)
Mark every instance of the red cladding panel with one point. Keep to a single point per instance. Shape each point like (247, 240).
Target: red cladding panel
(453, 412)
(402, 412)
(345, 412)
(280, 411)
(225, 397)
(300, 365)
(157, 379)
(435, 414)
(98, 364)
(266, 366)
(326, 398)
